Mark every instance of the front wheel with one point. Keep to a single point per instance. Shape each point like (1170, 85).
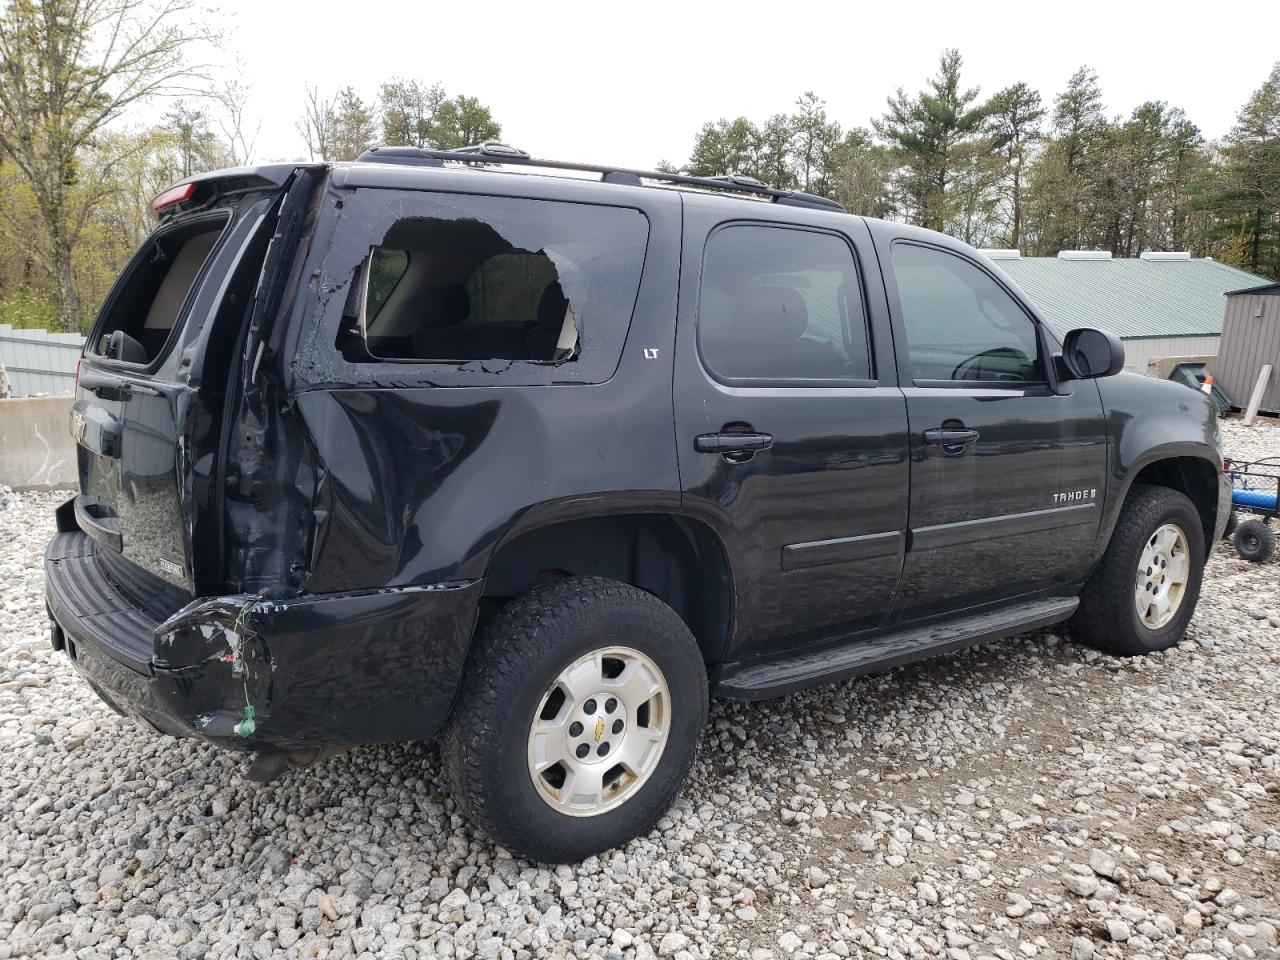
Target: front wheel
(580, 712)
(1142, 594)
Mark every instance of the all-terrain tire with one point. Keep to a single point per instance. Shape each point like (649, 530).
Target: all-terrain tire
(1254, 541)
(1108, 618)
(513, 664)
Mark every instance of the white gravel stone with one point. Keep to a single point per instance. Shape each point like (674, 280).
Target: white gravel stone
(1080, 885)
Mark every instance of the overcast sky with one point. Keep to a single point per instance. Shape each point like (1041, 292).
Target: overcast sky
(631, 83)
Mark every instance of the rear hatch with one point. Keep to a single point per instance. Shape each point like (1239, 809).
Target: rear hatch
(161, 363)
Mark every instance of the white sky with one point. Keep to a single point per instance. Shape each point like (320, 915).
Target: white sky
(630, 84)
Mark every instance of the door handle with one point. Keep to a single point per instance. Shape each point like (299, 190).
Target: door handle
(950, 436)
(738, 446)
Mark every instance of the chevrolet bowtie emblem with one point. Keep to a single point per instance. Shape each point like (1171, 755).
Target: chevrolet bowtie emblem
(599, 728)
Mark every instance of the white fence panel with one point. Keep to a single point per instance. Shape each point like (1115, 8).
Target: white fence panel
(38, 361)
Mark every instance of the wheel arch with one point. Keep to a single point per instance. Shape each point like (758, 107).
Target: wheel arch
(1190, 472)
(676, 558)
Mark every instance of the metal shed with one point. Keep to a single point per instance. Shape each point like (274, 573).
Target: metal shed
(1250, 339)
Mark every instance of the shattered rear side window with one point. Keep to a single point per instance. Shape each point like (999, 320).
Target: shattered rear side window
(469, 281)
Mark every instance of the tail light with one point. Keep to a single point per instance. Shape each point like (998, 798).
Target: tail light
(172, 197)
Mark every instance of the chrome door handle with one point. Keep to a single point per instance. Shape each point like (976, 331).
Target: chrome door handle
(950, 436)
(732, 442)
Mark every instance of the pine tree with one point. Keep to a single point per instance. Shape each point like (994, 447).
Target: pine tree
(1249, 197)
(1013, 128)
(930, 133)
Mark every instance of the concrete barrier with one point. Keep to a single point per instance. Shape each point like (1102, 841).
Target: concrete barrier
(36, 449)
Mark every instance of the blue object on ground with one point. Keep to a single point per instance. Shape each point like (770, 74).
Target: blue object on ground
(1254, 498)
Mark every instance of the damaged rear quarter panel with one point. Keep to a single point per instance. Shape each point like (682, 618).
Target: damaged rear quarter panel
(423, 469)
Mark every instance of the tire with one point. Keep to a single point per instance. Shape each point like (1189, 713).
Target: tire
(1254, 541)
(1109, 618)
(536, 645)
(1233, 521)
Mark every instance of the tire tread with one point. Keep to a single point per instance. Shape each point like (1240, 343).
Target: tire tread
(524, 632)
(1106, 602)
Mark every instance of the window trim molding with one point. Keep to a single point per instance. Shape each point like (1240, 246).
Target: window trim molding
(784, 383)
(1018, 385)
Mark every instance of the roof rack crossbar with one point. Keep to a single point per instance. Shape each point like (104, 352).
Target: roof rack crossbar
(493, 152)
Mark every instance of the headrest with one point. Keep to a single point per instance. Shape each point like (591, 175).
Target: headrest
(552, 307)
(778, 310)
(444, 304)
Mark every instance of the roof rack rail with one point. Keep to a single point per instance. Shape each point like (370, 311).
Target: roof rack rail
(494, 152)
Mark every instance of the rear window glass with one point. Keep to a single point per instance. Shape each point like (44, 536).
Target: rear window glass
(492, 280)
(141, 313)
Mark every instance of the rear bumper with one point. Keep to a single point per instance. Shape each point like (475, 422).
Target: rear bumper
(316, 671)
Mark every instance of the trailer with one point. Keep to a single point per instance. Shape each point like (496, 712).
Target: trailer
(1255, 491)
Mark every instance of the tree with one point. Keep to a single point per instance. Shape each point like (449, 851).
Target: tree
(199, 148)
(353, 126)
(464, 121)
(857, 175)
(409, 110)
(1142, 173)
(414, 114)
(135, 165)
(1068, 188)
(1078, 118)
(930, 134)
(1247, 199)
(774, 158)
(724, 147)
(231, 98)
(1187, 160)
(815, 137)
(68, 68)
(1013, 127)
(316, 125)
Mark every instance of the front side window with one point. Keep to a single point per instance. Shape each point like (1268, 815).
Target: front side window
(778, 303)
(489, 279)
(960, 323)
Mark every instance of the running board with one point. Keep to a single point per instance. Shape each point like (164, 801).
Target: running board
(756, 681)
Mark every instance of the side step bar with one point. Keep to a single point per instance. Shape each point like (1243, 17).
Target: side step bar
(755, 680)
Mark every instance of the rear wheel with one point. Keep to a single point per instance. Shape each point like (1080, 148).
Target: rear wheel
(581, 710)
(1254, 541)
(1142, 594)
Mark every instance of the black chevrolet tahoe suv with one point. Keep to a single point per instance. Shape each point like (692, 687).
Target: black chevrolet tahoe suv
(538, 456)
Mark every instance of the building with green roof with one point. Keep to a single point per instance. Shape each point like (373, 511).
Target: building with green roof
(1159, 304)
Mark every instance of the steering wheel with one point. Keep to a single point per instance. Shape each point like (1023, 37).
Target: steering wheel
(976, 367)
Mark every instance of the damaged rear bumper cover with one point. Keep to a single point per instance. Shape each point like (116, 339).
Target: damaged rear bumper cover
(251, 674)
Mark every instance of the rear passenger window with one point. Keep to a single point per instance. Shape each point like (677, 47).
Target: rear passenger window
(144, 309)
(960, 323)
(779, 303)
(522, 286)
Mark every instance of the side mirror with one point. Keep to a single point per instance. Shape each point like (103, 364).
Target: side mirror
(1088, 353)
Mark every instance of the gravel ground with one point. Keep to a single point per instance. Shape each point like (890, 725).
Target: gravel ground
(1029, 798)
